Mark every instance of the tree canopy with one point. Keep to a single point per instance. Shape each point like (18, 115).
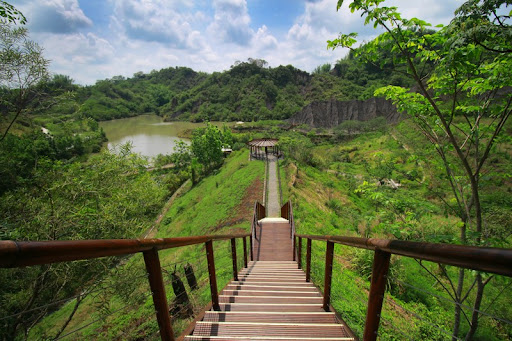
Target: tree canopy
(462, 73)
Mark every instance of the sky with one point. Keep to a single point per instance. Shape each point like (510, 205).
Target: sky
(90, 40)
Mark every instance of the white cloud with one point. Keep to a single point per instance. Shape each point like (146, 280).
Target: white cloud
(231, 22)
(206, 36)
(166, 22)
(85, 56)
(56, 16)
(264, 40)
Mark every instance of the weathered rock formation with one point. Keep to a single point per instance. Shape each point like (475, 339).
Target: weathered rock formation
(328, 114)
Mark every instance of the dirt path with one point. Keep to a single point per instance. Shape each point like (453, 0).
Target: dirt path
(152, 231)
(273, 204)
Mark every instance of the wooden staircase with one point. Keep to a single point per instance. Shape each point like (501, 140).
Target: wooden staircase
(271, 299)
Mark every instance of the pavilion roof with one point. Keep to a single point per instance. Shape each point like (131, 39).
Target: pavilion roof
(263, 142)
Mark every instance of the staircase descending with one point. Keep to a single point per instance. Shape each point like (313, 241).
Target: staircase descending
(271, 299)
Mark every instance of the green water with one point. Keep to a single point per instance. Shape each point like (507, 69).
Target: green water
(149, 134)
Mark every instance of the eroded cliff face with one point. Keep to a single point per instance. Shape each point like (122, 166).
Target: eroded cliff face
(328, 114)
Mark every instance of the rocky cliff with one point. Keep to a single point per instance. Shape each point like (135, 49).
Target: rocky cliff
(329, 114)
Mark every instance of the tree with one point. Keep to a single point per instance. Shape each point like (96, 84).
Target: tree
(207, 146)
(22, 66)
(324, 68)
(9, 14)
(93, 200)
(462, 104)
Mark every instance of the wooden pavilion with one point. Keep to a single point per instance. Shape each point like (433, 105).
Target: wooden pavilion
(261, 148)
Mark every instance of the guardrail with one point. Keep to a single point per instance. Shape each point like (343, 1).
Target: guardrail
(287, 213)
(493, 260)
(26, 253)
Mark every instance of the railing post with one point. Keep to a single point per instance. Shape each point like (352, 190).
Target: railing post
(376, 297)
(156, 284)
(245, 251)
(308, 261)
(293, 247)
(233, 257)
(251, 247)
(299, 254)
(213, 277)
(329, 255)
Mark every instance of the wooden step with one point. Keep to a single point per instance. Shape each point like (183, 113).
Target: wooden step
(270, 293)
(204, 328)
(270, 287)
(271, 270)
(282, 307)
(291, 276)
(269, 316)
(261, 338)
(269, 299)
(256, 281)
(273, 276)
(272, 263)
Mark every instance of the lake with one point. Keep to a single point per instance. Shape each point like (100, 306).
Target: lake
(149, 134)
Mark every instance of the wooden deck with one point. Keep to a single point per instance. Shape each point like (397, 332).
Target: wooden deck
(273, 240)
(271, 299)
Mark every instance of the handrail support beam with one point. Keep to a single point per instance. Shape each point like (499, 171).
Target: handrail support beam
(308, 260)
(234, 258)
(299, 254)
(329, 255)
(156, 283)
(244, 239)
(380, 269)
(212, 275)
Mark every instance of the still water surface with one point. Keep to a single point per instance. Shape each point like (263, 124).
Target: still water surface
(149, 134)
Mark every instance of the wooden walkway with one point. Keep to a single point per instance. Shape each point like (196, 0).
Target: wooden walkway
(271, 299)
(273, 240)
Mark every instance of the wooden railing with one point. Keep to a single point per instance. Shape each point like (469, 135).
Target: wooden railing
(286, 210)
(287, 213)
(493, 260)
(19, 254)
(258, 213)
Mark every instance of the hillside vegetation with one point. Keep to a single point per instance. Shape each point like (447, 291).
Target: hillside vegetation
(249, 91)
(344, 189)
(120, 306)
(443, 175)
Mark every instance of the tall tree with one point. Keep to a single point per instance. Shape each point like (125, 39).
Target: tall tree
(207, 146)
(461, 106)
(22, 66)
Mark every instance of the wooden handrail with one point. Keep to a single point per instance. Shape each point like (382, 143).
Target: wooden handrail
(23, 253)
(17, 254)
(494, 260)
(489, 259)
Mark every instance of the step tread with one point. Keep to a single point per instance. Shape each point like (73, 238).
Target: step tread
(262, 338)
(268, 329)
(268, 316)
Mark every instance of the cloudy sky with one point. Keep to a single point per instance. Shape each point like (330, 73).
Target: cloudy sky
(97, 39)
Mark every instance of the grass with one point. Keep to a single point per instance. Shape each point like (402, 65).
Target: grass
(122, 309)
(326, 201)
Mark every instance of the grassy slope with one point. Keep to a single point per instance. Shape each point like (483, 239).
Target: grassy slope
(325, 203)
(220, 203)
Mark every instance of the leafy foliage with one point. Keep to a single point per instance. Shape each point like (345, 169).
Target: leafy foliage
(462, 72)
(22, 66)
(93, 200)
(10, 14)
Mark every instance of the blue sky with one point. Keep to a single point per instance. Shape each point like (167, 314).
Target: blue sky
(97, 39)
